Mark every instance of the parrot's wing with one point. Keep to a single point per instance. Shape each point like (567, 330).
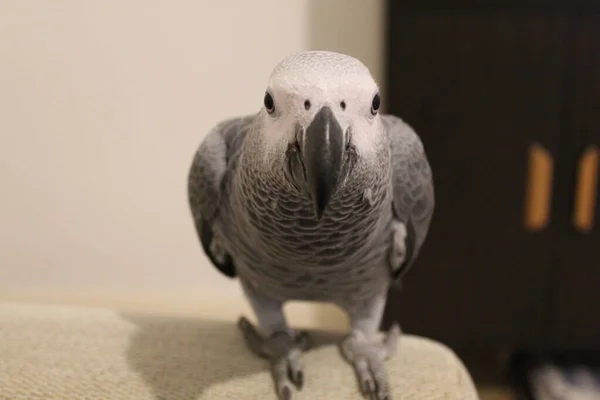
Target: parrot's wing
(211, 164)
(413, 193)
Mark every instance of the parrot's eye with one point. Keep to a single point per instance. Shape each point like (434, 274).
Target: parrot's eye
(269, 104)
(375, 105)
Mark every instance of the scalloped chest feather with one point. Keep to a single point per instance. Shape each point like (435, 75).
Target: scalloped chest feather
(277, 244)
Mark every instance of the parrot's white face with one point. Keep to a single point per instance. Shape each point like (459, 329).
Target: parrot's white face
(302, 84)
(325, 104)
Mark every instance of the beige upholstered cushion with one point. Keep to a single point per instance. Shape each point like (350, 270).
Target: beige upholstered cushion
(70, 353)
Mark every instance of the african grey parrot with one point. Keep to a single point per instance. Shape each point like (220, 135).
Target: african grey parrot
(316, 197)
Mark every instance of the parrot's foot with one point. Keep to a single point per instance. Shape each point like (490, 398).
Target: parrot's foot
(283, 352)
(367, 356)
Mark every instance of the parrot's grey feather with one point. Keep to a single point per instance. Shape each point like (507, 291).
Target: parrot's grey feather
(215, 156)
(413, 199)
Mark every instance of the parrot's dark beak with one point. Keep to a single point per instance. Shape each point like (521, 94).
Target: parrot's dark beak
(323, 154)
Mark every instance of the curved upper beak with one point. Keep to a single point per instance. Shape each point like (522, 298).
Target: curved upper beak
(323, 153)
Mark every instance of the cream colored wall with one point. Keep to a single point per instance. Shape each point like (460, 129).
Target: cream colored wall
(102, 105)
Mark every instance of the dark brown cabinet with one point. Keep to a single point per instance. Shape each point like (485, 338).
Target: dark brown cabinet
(496, 92)
(576, 282)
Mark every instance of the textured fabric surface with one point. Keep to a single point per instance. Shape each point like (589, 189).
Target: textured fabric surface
(74, 353)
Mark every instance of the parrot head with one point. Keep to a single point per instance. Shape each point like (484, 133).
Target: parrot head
(321, 111)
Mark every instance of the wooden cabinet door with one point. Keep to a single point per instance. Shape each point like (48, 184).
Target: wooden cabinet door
(480, 88)
(575, 317)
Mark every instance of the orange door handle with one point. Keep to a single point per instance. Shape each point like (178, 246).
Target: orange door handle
(585, 192)
(539, 188)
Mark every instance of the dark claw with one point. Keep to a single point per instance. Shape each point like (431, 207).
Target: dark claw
(286, 394)
(373, 386)
(243, 323)
(368, 385)
(368, 358)
(298, 379)
(277, 348)
(295, 373)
